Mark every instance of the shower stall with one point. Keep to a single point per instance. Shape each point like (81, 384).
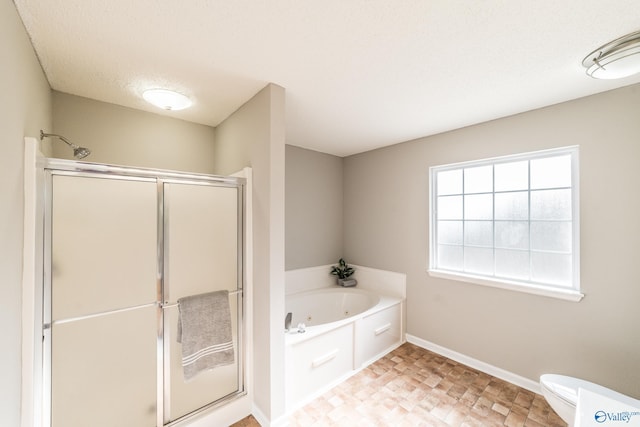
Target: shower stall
(121, 247)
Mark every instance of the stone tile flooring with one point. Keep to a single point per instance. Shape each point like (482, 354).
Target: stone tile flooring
(412, 386)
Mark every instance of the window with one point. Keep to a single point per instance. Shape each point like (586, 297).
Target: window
(510, 222)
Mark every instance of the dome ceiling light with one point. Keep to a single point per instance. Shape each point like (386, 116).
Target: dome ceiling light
(167, 99)
(616, 59)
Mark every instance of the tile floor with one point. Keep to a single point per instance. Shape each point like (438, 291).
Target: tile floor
(412, 386)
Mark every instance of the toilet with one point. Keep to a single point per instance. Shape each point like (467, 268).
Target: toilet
(561, 393)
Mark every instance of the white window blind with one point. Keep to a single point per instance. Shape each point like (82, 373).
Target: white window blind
(511, 221)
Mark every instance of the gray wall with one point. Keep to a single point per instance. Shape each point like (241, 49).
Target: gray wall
(125, 136)
(386, 226)
(236, 135)
(313, 208)
(25, 108)
(254, 136)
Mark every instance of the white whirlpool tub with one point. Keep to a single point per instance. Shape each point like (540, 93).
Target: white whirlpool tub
(346, 329)
(328, 305)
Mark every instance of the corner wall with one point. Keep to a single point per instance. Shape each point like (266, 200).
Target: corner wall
(254, 136)
(314, 205)
(386, 226)
(26, 108)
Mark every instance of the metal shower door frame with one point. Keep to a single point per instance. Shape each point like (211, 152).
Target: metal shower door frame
(165, 287)
(52, 167)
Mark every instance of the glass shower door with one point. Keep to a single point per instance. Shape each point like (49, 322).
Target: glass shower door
(101, 301)
(202, 238)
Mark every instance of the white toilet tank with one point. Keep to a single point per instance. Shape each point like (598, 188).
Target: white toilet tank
(562, 394)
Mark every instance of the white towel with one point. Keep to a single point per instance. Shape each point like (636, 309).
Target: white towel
(204, 329)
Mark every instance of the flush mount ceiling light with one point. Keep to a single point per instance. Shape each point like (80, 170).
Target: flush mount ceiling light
(166, 99)
(615, 60)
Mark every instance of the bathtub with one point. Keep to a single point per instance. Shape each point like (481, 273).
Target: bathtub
(328, 305)
(346, 329)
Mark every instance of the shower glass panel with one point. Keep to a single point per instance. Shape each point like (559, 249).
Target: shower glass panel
(204, 218)
(103, 372)
(201, 255)
(103, 245)
(102, 313)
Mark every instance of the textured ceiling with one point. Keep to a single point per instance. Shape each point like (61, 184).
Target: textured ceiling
(359, 74)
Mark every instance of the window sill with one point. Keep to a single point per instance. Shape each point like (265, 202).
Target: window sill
(547, 291)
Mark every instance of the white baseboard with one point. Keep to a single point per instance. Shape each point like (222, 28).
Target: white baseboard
(518, 380)
(282, 421)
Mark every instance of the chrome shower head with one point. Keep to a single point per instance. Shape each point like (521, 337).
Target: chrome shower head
(78, 152)
(81, 152)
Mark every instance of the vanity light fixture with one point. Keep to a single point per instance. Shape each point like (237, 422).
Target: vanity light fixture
(166, 99)
(616, 59)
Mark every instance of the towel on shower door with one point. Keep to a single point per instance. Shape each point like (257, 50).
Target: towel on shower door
(204, 329)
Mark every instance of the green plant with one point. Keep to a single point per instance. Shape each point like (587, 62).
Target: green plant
(342, 270)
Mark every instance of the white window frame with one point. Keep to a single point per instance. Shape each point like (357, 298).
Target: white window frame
(556, 291)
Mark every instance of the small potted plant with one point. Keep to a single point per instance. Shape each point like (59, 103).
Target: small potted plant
(343, 272)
